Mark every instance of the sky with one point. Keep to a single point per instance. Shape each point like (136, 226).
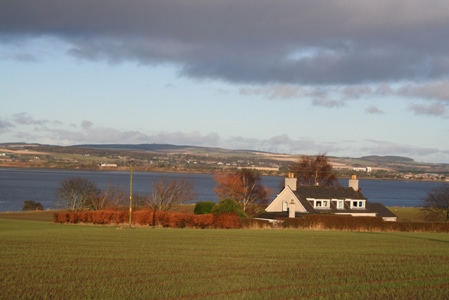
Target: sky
(347, 78)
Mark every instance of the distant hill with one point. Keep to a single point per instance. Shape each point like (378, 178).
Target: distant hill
(387, 159)
(141, 147)
(166, 148)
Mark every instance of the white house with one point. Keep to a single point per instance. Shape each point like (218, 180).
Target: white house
(296, 201)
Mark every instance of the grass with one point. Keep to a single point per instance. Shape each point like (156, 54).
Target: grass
(407, 214)
(45, 260)
(35, 215)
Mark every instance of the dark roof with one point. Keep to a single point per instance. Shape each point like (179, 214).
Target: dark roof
(381, 210)
(378, 208)
(328, 192)
(324, 192)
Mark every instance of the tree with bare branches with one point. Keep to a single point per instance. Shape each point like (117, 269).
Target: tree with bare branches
(436, 204)
(314, 171)
(77, 193)
(111, 197)
(244, 187)
(168, 192)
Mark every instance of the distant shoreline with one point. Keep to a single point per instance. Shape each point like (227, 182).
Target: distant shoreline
(137, 169)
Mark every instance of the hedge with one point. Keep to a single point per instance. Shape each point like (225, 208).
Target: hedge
(231, 220)
(150, 218)
(349, 223)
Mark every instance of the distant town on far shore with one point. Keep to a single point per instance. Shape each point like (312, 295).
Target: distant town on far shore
(192, 159)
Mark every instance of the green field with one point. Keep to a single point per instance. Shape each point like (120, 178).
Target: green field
(408, 214)
(41, 260)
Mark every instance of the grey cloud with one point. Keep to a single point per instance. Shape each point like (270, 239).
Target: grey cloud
(374, 110)
(432, 109)
(95, 135)
(19, 56)
(86, 125)
(435, 90)
(273, 92)
(26, 119)
(255, 42)
(389, 148)
(28, 137)
(5, 125)
(356, 92)
(327, 102)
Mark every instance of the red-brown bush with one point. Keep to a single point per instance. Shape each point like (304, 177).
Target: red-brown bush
(228, 221)
(61, 217)
(203, 221)
(143, 217)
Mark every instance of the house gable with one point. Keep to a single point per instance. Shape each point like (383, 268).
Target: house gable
(282, 200)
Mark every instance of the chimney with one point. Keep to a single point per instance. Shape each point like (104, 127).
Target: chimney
(291, 209)
(290, 181)
(354, 183)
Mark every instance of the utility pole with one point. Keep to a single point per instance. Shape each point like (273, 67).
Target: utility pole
(131, 192)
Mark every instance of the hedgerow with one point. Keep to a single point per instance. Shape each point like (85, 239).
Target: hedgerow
(349, 223)
(150, 218)
(231, 220)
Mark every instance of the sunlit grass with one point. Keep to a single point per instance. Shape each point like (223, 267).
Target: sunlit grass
(45, 260)
(408, 214)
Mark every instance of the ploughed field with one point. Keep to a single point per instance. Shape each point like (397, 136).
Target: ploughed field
(53, 261)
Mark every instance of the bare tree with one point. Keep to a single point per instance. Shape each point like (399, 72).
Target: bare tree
(314, 171)
(76, 193)
(436, 204)
(168, 192)
(112, 196)
(244, 187)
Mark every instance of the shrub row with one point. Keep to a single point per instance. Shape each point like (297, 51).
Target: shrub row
(332, 222)
(181, 220)
(150, 218)
(95, 217)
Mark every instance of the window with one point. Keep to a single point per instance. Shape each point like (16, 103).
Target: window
(358, 204)
(321, 203)
(284, 206)
(340, 204)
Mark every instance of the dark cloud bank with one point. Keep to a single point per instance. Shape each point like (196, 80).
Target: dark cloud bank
(252, 42)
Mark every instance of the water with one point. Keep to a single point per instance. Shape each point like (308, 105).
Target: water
(40, 185)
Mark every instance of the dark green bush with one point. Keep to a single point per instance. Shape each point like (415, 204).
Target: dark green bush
(32, 205)
(203, 207)
(228, 206)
